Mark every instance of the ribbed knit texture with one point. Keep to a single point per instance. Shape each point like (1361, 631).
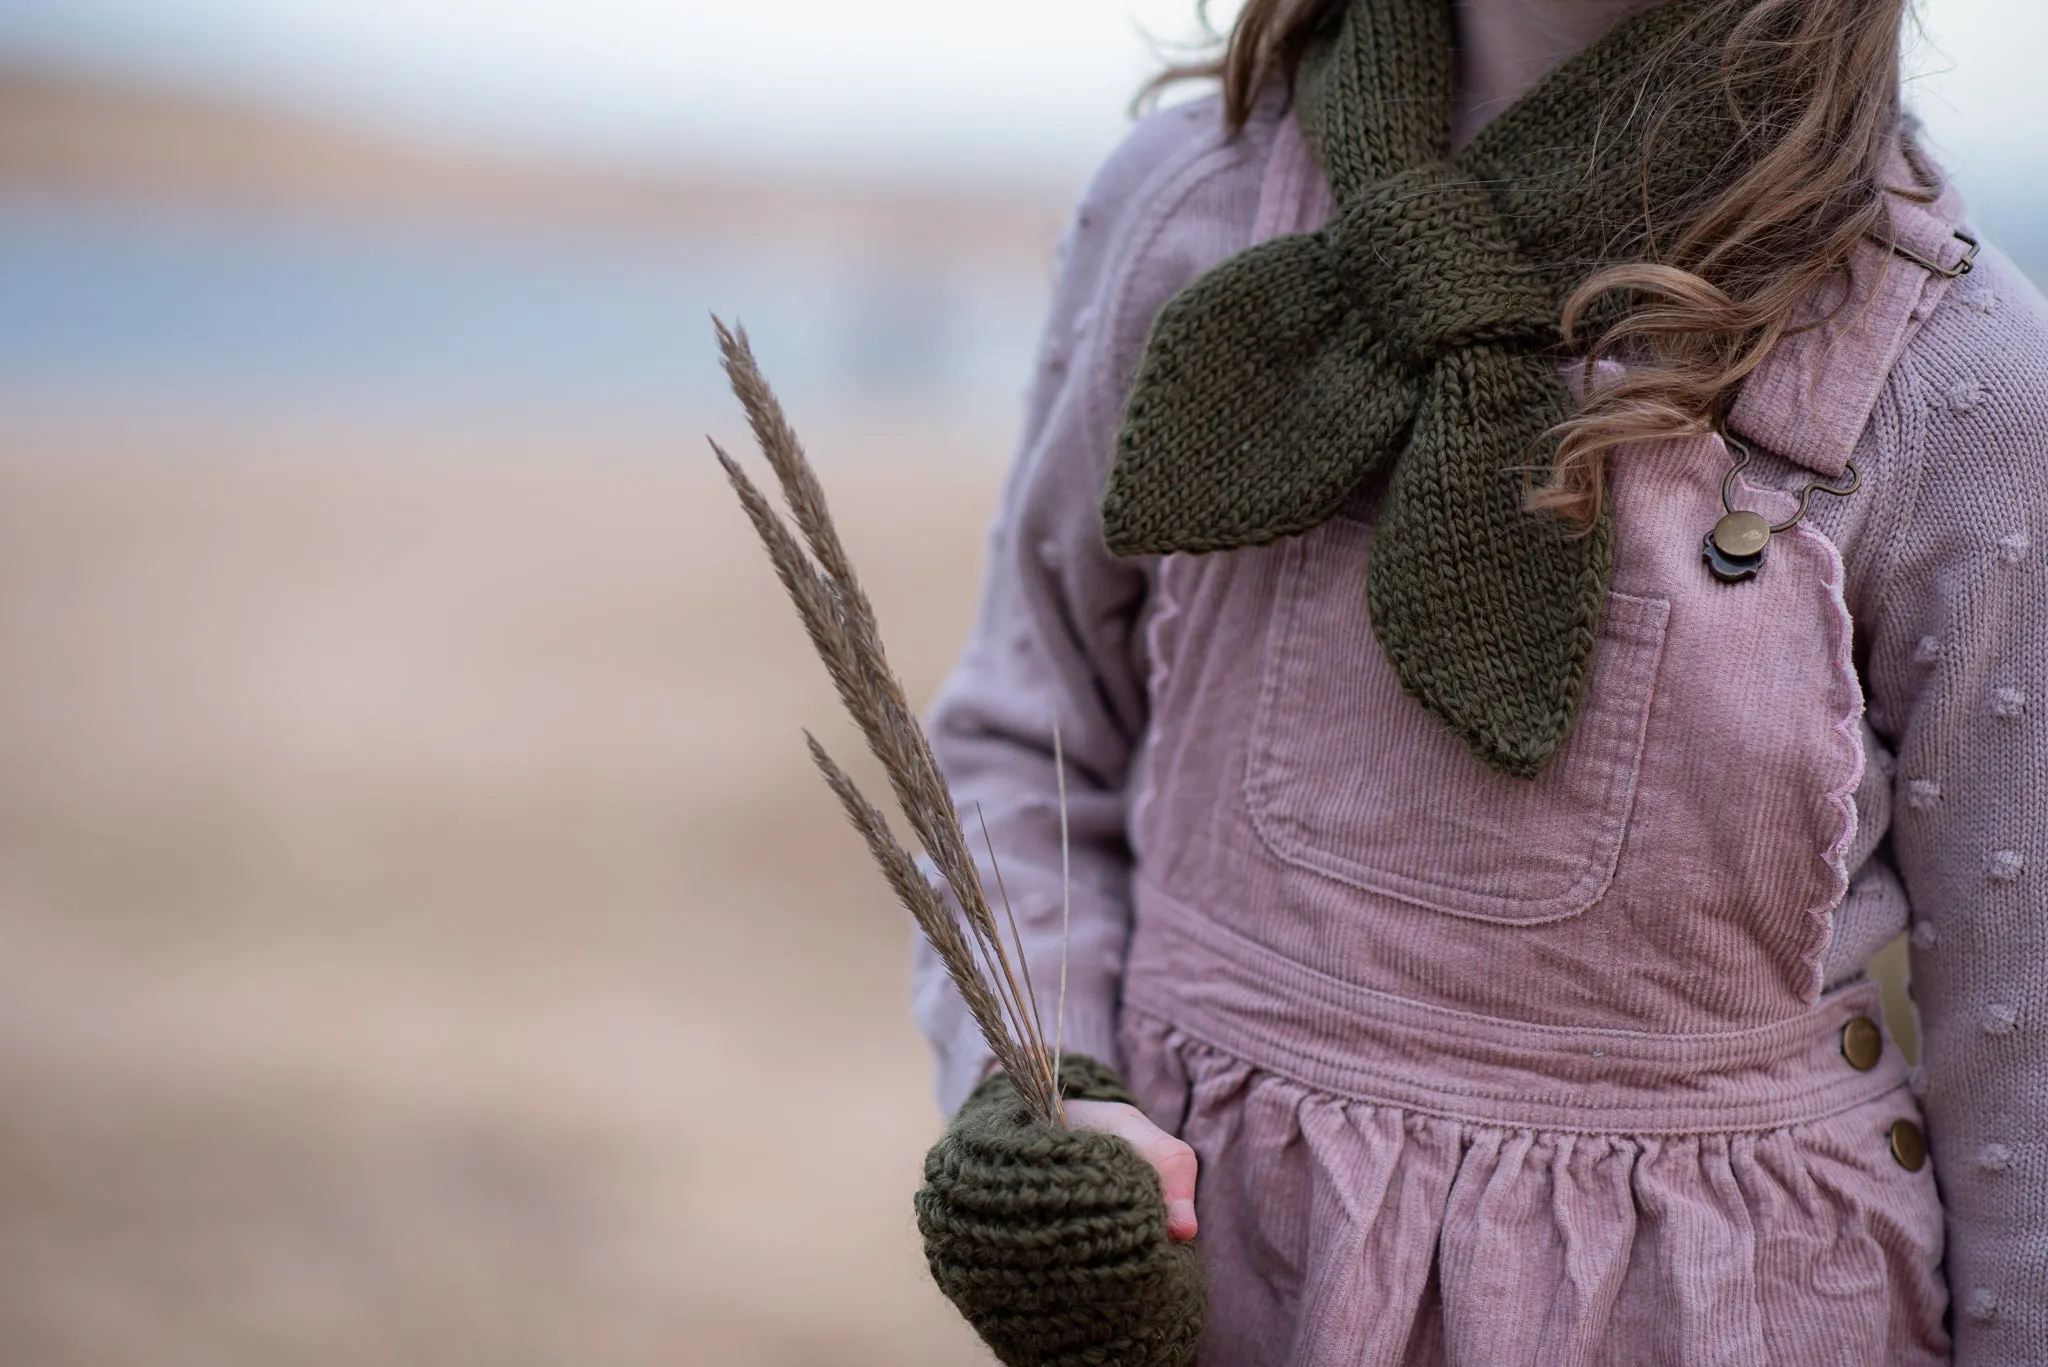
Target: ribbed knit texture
(1418, 330)
(1053, 1242)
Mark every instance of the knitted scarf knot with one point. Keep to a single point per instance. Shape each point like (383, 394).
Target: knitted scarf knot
(1416, 337)
(1429, 267)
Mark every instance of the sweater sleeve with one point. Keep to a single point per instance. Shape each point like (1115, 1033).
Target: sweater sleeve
(1059, 637)
(1958, 673)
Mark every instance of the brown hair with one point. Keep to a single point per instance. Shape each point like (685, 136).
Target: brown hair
(1723, 284)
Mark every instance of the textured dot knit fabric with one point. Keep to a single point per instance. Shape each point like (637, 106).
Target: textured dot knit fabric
(1946, 578)
(1053, 1243)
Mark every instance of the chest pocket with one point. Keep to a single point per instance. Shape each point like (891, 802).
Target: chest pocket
(1346, 774)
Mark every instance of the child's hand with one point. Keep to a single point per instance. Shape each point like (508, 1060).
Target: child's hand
(1169, 1157)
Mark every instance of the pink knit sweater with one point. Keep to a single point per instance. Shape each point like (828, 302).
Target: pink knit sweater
(1938, 824)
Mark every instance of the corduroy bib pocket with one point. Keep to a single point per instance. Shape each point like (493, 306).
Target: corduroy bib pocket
(1349, 777)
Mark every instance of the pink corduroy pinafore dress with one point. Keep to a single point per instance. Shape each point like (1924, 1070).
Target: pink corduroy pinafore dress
(1483, 1070)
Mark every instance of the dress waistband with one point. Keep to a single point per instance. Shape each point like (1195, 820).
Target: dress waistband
(1219, 988)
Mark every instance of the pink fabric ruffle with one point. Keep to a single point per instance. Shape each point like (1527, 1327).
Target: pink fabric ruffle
(1342, 1230)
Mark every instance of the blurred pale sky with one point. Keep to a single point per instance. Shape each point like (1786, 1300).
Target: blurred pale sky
(998, 88)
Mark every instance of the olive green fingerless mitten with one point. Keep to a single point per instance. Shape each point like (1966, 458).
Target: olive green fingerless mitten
(1053, 1242)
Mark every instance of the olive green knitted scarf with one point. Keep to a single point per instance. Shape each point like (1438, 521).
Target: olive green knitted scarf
(1418, 335)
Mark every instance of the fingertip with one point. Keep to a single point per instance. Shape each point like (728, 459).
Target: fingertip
(1180, 1221)
(1177, 1166)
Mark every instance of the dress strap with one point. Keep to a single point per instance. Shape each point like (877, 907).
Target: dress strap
(1811, 399)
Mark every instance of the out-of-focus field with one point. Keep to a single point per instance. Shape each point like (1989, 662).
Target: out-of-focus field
(421, 937)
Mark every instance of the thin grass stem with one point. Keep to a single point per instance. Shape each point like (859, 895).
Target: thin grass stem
(1059, 772)
(837, 616)
(1031, 1022)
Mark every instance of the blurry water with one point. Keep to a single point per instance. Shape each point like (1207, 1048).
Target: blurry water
(154, 305)
(104, 298)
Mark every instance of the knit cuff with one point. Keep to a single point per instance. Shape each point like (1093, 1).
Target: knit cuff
(1052, 1242)
(1081, 1079)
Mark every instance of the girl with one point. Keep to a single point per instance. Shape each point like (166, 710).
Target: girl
(1495, 757)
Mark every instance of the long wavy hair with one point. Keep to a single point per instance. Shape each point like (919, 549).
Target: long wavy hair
(1726, 278)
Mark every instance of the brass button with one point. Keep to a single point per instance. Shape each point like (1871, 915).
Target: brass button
(1862, 1043)
(1742, 535)
(1909, 1146)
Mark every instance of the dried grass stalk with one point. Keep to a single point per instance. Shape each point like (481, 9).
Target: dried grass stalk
(815, 569)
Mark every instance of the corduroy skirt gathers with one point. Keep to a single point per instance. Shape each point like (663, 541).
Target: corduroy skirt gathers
(1390, 1183)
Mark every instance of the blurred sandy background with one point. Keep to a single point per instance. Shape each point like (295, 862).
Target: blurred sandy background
(422, 939)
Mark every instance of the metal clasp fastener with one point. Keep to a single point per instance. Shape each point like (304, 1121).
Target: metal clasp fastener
(1734, 550)
(1963, 267)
